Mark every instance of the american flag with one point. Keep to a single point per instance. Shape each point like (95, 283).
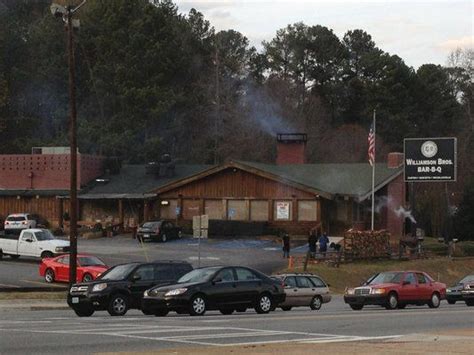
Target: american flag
(371, 140)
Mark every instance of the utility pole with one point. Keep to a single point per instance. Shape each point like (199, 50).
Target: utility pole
(67, 14)
(218, 103)
(73, 153)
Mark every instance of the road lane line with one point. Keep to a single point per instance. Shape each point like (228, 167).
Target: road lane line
(44, 284)
(7, 285)
(354, 338)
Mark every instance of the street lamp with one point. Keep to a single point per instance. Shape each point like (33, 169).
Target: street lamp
(67, 13)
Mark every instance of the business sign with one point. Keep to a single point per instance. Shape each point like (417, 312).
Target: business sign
(430, 159)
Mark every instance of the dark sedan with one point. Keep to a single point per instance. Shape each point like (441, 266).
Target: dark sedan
(453, 294)
(227, 289)
(160, 231)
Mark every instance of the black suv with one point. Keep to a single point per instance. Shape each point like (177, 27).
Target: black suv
(121, 287)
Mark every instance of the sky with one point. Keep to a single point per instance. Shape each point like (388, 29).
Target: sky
(419, 31)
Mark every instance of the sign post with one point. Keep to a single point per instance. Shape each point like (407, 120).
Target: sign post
(200, 230)
(430, 160)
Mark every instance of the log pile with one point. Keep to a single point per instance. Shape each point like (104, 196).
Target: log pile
(366, 244)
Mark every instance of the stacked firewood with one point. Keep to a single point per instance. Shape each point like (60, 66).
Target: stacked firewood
(366, 244)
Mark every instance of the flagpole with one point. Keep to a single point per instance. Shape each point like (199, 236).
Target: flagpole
(373, 181)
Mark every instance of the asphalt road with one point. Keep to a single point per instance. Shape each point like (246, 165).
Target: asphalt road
(263, 255)
(60, 331)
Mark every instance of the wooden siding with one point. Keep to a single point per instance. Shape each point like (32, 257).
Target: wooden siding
(46, 207)
(236, 183)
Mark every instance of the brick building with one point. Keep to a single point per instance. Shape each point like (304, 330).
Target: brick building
(290, 194)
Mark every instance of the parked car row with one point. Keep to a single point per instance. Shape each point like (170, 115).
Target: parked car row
(157, 288)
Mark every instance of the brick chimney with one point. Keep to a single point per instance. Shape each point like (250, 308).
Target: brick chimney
(395, 160)
(291, 148)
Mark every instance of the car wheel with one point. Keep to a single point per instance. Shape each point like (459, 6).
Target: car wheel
(316, 303)
(264, 304)
(161, 312)
(197, 306)
(434, 301)
(164, 238)
(87, 278)
(286, 308)
(470, 303)
(14, 257)
(392, 301)
(147, 313)
(118, 305)
(401, 306)
(357, 307)
(49, 276)
(241, 309)
(226, 311)
(46, 255)
(451, 301)
(84, 312)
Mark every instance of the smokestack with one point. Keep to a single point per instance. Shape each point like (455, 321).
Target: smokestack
(291, 148)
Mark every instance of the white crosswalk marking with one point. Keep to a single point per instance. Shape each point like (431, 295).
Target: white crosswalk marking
(190, 334)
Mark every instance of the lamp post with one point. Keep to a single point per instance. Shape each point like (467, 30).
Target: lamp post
(67, 14)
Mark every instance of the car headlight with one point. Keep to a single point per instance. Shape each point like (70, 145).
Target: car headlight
(449, 290)
(350, 291)
(59, 249)
(99, 287)
(145, 294)
(178, 291)
(377, 291)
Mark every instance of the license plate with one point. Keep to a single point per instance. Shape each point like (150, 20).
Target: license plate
(75, 300)
(146, 236)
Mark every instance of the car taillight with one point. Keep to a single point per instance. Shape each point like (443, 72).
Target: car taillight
(7, 223)
(24, 222)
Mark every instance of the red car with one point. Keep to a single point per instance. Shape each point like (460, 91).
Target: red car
(57, 269)
(396, 289)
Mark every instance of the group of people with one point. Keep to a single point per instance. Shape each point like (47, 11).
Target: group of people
(316, 236)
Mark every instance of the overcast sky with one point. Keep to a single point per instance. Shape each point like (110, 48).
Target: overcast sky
(418, 31)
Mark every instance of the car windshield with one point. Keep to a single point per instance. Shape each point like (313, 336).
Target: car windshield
(149, 225)
(467, 279)
(198, 275)
(385, 278)
(44, 235)
(90, 261)
(119, 272)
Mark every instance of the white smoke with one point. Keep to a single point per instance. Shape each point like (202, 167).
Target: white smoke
(400, 211)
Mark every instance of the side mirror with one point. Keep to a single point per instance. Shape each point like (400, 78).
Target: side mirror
(136, 278)
(328, 285)
(405, 283)
(29, 240)
(215, 281)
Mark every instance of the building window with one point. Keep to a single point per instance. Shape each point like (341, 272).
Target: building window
(237, 210)
(190, 208)
(282, 211)
(307, 210)
(169, 211)
(357, 212)
(259, 210)
(214, 209)
(341, 206)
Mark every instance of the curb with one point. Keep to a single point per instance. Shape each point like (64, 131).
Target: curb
(33, 289)
(48, 308)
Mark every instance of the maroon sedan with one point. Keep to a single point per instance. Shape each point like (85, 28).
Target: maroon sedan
(89, 267)
(396, 289)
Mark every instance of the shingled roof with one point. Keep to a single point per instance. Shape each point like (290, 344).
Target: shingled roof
(133, 182)
(350, 179)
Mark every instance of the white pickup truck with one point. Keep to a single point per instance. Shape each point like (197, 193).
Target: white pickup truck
(32, 242)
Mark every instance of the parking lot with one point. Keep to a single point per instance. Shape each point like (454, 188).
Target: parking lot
(263, 255)
(60, 331)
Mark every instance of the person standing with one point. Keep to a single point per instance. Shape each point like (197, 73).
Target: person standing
(323, 244)
(312, 240)
(286, 245)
